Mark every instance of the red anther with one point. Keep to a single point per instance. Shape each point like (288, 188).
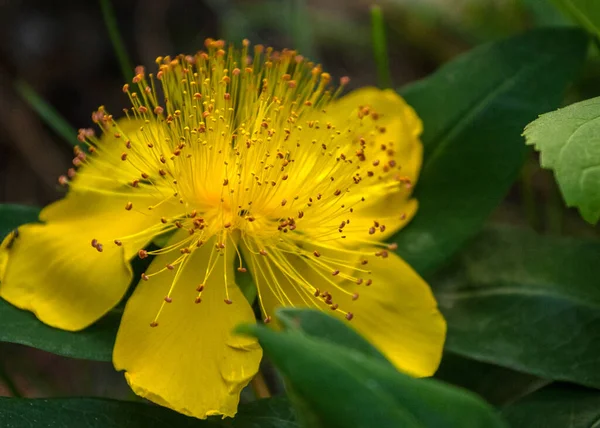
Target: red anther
(355, 296)
(364, 262)
(316, 253)
(158, 110)
(153, 324)
(227, 225)
(142, 254)
(376, 223)
(94, 242)
(71, 172)
(118, 243)
(221, 245)
(169, 266)
(193, 214)
(267, 319)
(198, 299)
(334, 306)
(337, 192)
(369, 282)
(359, 281)
(317, 293)
(344, 80)
(384, 254)
(162, 172)
(63, 180)
(375, 162)
(229, 302)
(128, 144)
(227, 96)
(168, 299)
(382, 228)
(403, 216)
(129, 206)
(178, 224)
(284, 177)
(300, 214)
(145, 277)
(145, 176)
(135, 183)
(123, 156)
(371, 230)
(393, 246)
(242, 269)
(163, 220)
(99, 247)
(349, 316)
(283, 202)
(126, 87)
(263, 252)
(335, 272)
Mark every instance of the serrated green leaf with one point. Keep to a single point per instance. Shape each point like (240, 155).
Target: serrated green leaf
(569, 143)
(557, 406)
(344, 387)
(474, 110)
(526, 302)
(103, 413)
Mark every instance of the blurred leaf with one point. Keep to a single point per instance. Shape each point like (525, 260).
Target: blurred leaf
(526, 302)
(103, 413)
(569, 143)
(557, 406)
(112, 27)
(12, 216)
(18, 326)
(474, 110)
(585, 12)
(380, 51)
(344, 387)
(497, 385)
(47, 113)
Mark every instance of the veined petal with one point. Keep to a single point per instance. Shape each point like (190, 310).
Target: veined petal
(54, 271)
(397, 312)
(191, 361)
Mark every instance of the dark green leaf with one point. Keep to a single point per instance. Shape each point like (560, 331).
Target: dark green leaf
(344, 387)
(12, 216)
(379, 46)
(569, 143)
(102, 413)
(526, 302)
(94, 343)
(117, 41)
(557, 406)
(474, 110)
(498, 385)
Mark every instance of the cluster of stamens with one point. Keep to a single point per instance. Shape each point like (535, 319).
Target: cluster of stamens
(240, 150)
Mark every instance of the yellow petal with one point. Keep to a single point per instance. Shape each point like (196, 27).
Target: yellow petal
(105, 169)
(191, 362)
(397, 313)
(52, 269)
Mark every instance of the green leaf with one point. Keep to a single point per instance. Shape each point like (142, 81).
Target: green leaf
(497, 385)
(585, 12)
(526, 302)
(474, 110)
(345, 387)
(47, 113)
(569, 142)
(103, 413)
(12, 216)
(557, 406)
(18, 326)
(94, 343)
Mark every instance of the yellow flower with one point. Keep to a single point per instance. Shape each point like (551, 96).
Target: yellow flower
(241, 163)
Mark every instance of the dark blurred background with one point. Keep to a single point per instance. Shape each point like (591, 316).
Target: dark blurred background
(62, 50)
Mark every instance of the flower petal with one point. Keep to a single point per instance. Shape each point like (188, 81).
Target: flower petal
(52, 269)
(397, 313)
(191, 362)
